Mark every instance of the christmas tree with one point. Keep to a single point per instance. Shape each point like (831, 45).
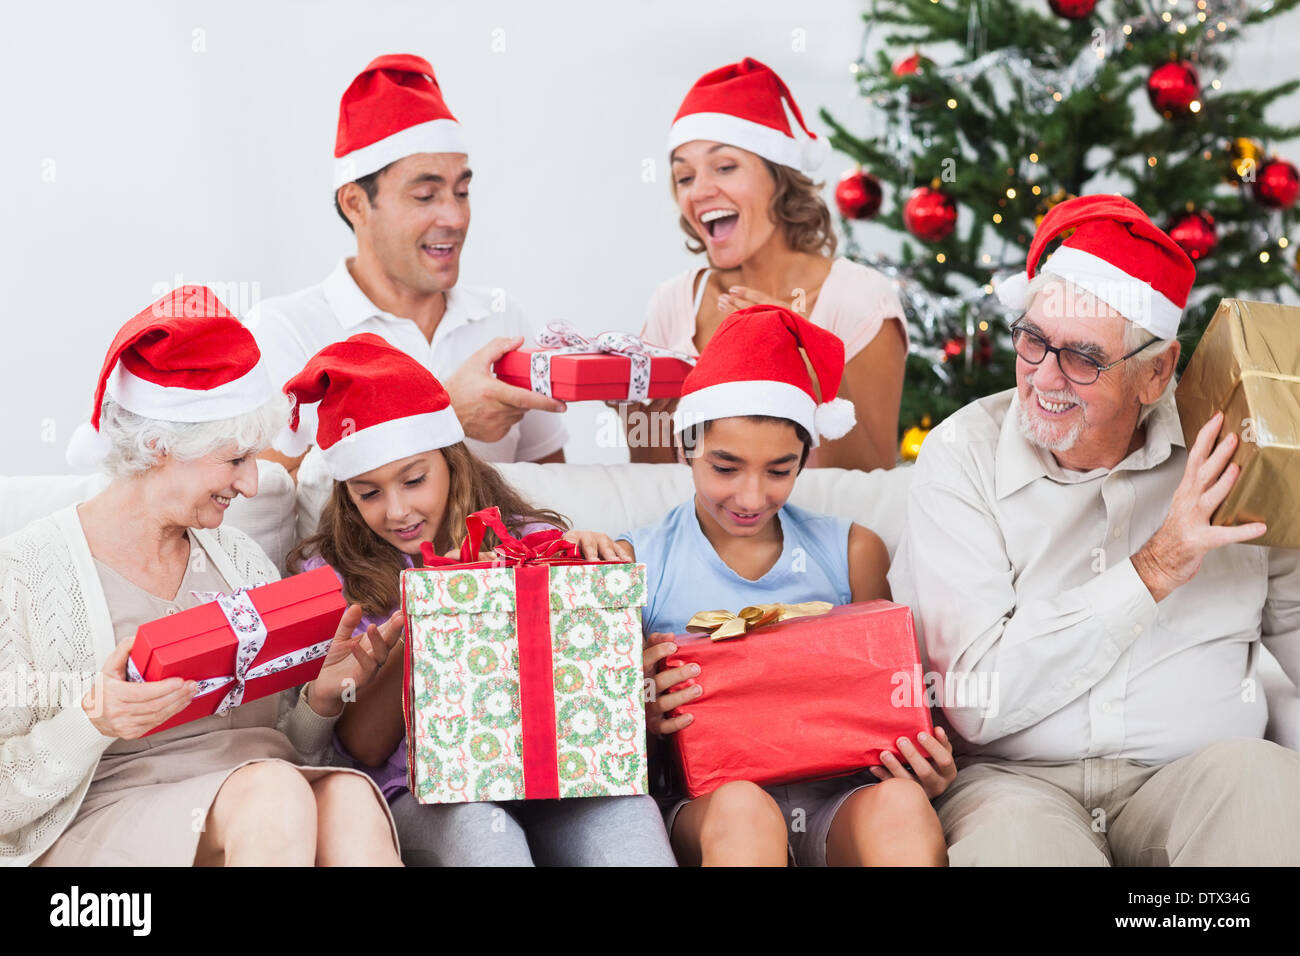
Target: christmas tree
(1042, 101)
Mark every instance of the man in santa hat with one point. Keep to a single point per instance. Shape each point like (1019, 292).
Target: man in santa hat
(1096, 634)
(401, 181)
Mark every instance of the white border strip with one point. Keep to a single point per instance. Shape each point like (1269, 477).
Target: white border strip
(1131, 297)
(174, 404)
(397, 438)
(435, 136)
(759, 139)
(735, 399)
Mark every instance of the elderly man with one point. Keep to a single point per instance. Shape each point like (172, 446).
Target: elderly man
(1059, 556)
(401, 181)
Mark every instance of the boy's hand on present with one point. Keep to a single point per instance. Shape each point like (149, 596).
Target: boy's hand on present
(595, 546)
(127, 710)
(352, 660)
(933, 771)
(658, 702)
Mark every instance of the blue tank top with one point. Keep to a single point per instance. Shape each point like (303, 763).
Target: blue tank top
(685, 575)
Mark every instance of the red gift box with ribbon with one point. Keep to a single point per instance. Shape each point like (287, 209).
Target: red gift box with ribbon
(814, 695)
(523, 673)
(243, 646)
(613, 366)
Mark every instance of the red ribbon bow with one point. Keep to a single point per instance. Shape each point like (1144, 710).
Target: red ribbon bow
(540, 547)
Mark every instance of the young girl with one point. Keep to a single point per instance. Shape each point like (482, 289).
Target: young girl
(749, 413)
(403, 476)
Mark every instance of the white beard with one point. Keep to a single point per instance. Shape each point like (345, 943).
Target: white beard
(1041, 433)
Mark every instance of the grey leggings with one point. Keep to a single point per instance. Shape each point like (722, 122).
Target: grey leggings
(583, 831)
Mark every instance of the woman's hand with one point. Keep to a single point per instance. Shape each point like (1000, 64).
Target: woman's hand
(742, 297)
(352, 660)
(658, 647)
(127, 710)
(933, 772)
(595, 546)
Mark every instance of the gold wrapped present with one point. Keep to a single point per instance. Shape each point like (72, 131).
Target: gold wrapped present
(1247, 365)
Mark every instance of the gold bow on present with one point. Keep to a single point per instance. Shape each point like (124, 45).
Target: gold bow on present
(725, 625)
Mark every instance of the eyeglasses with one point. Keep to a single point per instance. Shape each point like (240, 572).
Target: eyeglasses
(1078, 367)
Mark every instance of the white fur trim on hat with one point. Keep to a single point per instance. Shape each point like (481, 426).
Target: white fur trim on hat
(1132, 298)
(88, 448)
(1013, 291)
(367, 449)
(166, 403)
(435, 136)
(737, 399)
(802, 153)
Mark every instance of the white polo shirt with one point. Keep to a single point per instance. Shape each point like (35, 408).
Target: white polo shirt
(290, 329)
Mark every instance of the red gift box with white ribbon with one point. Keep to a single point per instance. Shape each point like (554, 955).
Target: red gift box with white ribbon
(243, 646)
(613, 366)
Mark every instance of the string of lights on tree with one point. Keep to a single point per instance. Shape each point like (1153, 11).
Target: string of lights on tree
(980, 115)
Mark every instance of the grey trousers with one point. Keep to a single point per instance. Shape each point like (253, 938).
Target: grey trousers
(585, 831)
(1232, 803)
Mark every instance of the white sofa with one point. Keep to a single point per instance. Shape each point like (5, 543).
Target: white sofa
(609, 498)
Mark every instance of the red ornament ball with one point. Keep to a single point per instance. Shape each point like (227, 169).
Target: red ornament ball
(1173, 87)
(954, 346)
(983, 349)
(1073, 9)
(1277, 184)
(857, 195)
(929, 214)
(908, 64)
(1196, 233)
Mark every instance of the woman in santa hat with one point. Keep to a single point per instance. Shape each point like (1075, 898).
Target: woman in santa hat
(404, 479)
(741, 157)
(183, 405)
(752, 411)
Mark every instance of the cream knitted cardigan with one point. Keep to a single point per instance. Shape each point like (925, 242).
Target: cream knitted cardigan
(55, 621)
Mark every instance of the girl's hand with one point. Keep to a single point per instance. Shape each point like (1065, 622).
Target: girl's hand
(658, 703)
(598, 547)
(933, 772)
(127, 710)
(742, 297)
(352, 660)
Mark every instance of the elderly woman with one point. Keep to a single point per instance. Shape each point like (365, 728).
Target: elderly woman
(740, 154)
(183, 405)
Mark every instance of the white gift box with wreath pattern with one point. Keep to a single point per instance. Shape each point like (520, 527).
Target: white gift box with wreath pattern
(479, 728)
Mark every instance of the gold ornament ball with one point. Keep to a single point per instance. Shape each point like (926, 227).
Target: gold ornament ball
(1243, 154)
(910, 446)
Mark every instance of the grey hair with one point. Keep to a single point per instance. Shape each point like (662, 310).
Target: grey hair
(136, 442)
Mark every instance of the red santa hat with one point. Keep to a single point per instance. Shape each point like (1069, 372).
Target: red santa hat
(746, 104)
(1118, 255)
(393, 109)
(377, 404)
(185, 358)
(767, 360)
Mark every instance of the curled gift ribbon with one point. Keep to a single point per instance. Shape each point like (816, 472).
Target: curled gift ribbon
(250, 631)
(560, 338)
(540, 547)
(723, 625)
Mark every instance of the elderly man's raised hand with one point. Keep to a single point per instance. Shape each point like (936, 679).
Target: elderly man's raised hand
(486, 406)
(1175, 552)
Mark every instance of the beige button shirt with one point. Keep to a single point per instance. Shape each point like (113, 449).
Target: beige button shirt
(291, 329)
(1020, 579)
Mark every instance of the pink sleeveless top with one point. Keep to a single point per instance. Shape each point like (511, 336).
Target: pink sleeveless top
(854, 302)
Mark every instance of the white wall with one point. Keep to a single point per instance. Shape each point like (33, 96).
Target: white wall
(215, 165)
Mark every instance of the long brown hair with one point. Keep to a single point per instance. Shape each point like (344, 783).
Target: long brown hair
(371, 567)
(797, 207)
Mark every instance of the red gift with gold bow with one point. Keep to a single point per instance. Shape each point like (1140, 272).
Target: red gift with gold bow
(796, 692)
